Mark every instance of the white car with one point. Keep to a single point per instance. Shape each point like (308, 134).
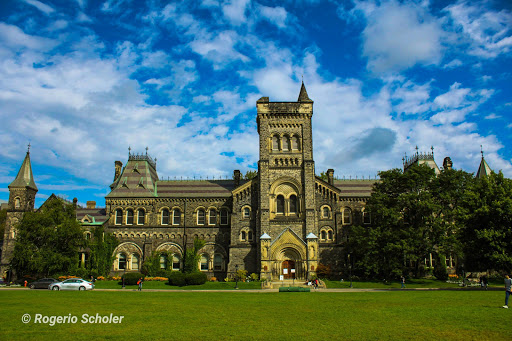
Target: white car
(72, 284)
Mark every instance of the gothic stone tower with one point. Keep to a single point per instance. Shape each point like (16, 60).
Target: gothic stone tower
(22, 193)
(286, 205)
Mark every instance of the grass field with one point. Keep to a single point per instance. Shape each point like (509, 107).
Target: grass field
(397, 315)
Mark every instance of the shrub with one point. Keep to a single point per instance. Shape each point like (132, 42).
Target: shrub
(213, 279)
(323, 271)
(196, 278)
(131, 278)
(440, 270)
(255, 277)
(177, 278)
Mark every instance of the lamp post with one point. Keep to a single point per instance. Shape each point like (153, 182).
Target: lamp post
(236, 276)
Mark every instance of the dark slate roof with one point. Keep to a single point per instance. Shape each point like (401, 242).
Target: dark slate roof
(98, 215)
(137, 179)
(303, 95)
(195, 188)
(355, 188)
(25, 178)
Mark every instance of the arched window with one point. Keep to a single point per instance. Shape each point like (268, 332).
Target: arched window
(286, 143)
(247, 212)
(223, 216)
(119, 216)
(140, 217)
(293, 203)
(366, 217)
(176, 216)
(329, 235)
(204, 263)
(275, 142)
(323, 235)
(200, 217)
(347, 216)
(243, 236)
(325, 212)
(249, 236)
(217, 262)
(176, 262)
(163, 261)
(165, 216)
(280, 204)
(212, 217)
(17, 203)
(129, 217)
(122, 261)
(135, 262)
(87, 236)
(295, 143)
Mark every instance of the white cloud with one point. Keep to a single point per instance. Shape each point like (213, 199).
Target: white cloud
(455, 98)
(488, 32)
(13, 36)
(399, 36)
(412, 98)
(453, 64)
(275, 15)
(219, 49)
(234, 11)
(492, 116)
(40, 6)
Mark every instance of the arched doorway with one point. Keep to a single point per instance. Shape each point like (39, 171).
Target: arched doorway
(288, 269)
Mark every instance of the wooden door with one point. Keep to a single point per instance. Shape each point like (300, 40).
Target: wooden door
(287, 267)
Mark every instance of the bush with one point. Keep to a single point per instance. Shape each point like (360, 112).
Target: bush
(255, 277)
(440, 271)
(196, 278)
(323, 271)
(177, 278)
(213, 279)
(131, 278)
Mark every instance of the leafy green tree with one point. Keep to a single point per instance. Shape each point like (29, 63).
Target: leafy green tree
(102, 247)
(487, 233)
(3, 220)
(250, 174)
(192, 256)
(323, 176)
(48, 241)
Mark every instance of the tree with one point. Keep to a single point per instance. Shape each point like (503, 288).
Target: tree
(323, 176)
(48, 240)
(192, 256)
(250, 174)
(487, 219)
(3, 220)
(102, 247)
(407, 213)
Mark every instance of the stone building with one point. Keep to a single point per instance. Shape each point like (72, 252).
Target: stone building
(283, 222)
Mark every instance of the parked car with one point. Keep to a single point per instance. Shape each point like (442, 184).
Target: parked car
(42, 283)
(72, 284)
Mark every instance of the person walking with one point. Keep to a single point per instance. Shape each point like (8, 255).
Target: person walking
(508, 290)
(139, 282)
(402, 282)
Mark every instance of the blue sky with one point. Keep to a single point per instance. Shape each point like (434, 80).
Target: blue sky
(84, 80)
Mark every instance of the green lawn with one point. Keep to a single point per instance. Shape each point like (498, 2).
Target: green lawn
(238, 315)
(165, 285)
(410, 283)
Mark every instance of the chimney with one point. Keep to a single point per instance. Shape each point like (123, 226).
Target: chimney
(75, 200)
(118, 167)
(447, 163)
(91, 204)
(330, 176)
(236, 177)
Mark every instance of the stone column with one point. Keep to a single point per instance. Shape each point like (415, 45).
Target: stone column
(265, 257)
(312, 255)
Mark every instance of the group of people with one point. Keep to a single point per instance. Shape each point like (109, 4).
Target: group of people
(314, 283)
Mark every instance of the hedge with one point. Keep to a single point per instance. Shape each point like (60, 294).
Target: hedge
(132, 278)
(196, 278)
(177, 278)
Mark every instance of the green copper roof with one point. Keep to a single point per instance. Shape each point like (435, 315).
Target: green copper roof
(25, 178)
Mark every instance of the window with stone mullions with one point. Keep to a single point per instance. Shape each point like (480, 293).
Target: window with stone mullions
(212, 217)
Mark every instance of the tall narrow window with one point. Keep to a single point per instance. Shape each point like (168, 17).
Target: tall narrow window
(366, 217)
(275, 142)
(323, 235)
(122, 261)
(204, 263)
(293, 203)
(119, 216)
(347, 216)
(280, 204)
(329, 235)
(249, 236)
(325, 213)
(176, 262)
(163, 261)
(165, 216)
(295, 143)
(140, 217)
(247, 213)
(217, 262)
(286, 143)
(224, 217)
(135, 262)
(176, 216)
(243, 236)
(212, 217)
(200, 217)
(129, 217)
(17, 203)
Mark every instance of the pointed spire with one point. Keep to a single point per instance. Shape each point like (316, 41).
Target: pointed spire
(303, 95)
(483, 170)
(25, 178)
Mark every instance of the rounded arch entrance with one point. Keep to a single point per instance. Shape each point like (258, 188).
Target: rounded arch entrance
(289, 261)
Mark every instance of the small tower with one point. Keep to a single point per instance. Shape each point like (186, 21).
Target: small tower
(483, 170)
(22, 194)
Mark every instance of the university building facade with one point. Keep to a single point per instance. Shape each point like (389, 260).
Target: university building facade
(285, 221)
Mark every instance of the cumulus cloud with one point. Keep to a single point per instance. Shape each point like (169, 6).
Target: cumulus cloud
(40, 6)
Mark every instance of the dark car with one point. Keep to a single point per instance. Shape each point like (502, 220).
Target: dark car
(42, 283)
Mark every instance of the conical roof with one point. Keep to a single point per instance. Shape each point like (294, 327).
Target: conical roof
(303, 95)
(483, 170)
(25, 178)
